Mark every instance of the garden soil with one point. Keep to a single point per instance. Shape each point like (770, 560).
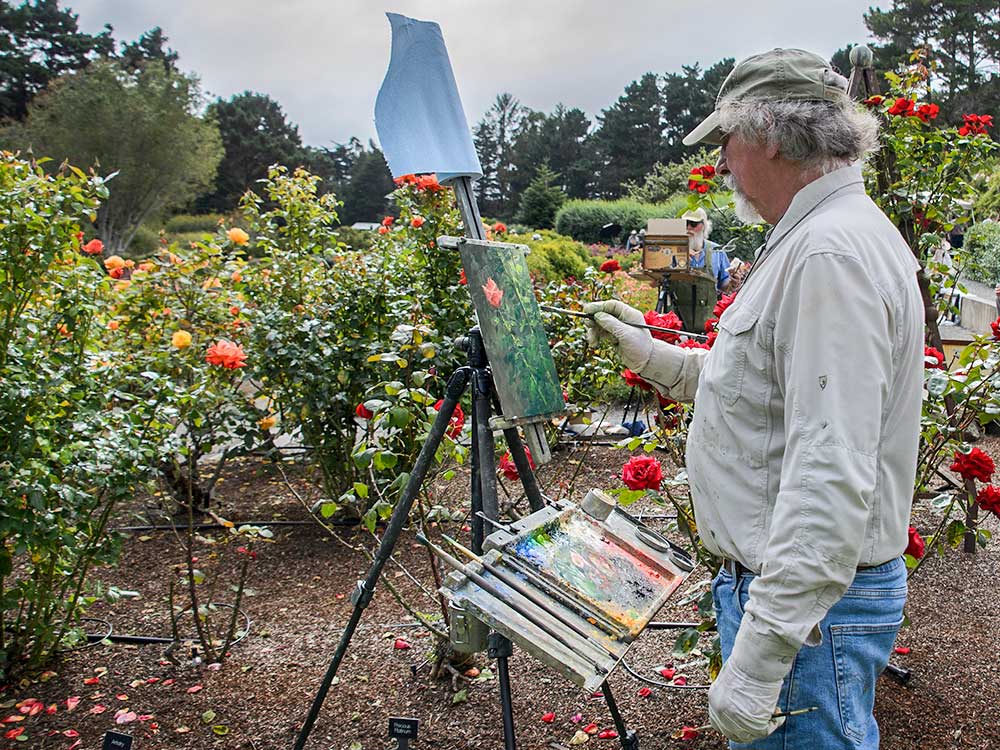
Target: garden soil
(299, 600)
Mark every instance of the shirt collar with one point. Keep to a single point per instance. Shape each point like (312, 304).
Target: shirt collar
(845, 179)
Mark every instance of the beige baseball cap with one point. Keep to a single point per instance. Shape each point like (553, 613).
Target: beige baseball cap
(777, 74)
(696, 214)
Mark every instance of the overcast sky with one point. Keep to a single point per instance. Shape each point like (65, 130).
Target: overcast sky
(324, 61)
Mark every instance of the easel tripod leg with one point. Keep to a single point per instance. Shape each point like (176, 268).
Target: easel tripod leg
(629, 740)
(364, 591)
(501, 650)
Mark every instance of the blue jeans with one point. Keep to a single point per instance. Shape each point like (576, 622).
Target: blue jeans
(838, 676)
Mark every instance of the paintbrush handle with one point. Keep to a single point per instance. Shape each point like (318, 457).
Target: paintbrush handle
(659, 329)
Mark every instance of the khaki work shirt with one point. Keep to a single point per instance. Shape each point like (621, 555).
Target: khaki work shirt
(802, 450)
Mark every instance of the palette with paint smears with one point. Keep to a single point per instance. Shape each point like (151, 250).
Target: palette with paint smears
(585, 587)
(584, 559)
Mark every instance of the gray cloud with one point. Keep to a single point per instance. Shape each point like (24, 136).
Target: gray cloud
(324, 61)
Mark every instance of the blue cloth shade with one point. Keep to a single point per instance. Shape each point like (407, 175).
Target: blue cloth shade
(418, 113)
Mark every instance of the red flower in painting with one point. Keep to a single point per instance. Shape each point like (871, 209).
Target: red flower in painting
(989, 499)
(933, 358)
(494, 294)
(457, 421)
(927, 112)
(610, 266)
(915, 546)
(226, 354)
(363, 411)
(642, 473)
(509, 468)
(973, 465)
(632, 380)
(664, 320)
(902, 107)
(720, 306)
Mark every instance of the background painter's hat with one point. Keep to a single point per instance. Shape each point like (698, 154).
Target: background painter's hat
(781, 74)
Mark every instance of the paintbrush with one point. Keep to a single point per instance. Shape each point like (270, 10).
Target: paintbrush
(659, 329)
(678, 735)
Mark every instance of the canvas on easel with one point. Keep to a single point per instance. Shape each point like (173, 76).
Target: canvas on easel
(524, 372)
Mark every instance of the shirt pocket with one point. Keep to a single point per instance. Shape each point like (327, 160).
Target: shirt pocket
(737, 325)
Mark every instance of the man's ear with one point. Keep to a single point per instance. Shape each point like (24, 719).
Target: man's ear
(771, 150)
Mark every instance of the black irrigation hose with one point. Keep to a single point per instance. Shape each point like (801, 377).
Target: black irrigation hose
(94, 638)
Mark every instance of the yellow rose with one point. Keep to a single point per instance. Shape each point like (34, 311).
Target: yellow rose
(113, 262)
(267, 422)
(181, 339)
(238, 236)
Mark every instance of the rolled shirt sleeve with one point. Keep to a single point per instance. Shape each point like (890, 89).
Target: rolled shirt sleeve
(833, 362)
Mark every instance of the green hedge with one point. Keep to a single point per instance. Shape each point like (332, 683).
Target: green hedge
(982, 250)
(188, 223)
(553, 257)
(582, 220)
(145, 243)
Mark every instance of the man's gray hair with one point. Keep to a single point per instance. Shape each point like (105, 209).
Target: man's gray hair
(822, 135)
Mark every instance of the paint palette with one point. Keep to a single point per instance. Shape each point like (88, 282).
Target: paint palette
(601, 582)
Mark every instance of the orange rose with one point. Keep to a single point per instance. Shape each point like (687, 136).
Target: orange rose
(94, 247)
(267, 422)
(113, 325)
(237, 236)
(237, 276)
(234, 311)
(113, 262)
(226, 354)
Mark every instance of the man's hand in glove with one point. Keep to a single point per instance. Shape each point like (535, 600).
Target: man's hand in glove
(742, 707)
(611, 323)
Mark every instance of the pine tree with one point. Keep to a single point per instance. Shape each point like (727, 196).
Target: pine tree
(541, 200)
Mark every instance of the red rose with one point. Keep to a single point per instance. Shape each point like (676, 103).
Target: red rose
(989, 499)
(975, 124)
(416, 222)
(499, 227)
(457, 421)
(710, 324)
(509, 468)
(461, 278)
(406, 179)
(873, 101)
(933, 359)
(688, 733)
(387, 221)
(973, 465)
(642, 473)
(429, 182)
(668, 320)
(383, 230)
(693, 344)
(610, 266)
(632, 380)
(362, 412)
(915, 546)
(927, 112)
(902, 107)
(722, 304)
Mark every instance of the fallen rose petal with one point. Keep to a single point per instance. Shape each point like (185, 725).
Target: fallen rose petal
(72, 702)
(169, 681)
(591, 728)
(152, 680)
(13, 718)
(145, 717)
(125, 717)
(681, 680)
(70, 733)
(75, 745)
(214, 667)
(122, 696)
(98, 709)
(36, 708)
(12, 733)
(579, 738)
(548, 717)
(471, 672)
(182, 730)
(194, 688)
(92, 681)
(607, 734)
(904, 650)
(685, 733)
(645, 692)
(668, 673)
(51, 709)
(400, 644)
(576, 718)
(597, 694)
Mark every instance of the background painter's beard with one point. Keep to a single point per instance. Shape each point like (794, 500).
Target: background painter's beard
(743, 209)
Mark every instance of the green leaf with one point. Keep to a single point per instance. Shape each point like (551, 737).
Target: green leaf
(955, 533)
(361, 490)
(328, 509)
(220, 730)
(461, 696)
(399, 417)
(685, 643)
(208, 717)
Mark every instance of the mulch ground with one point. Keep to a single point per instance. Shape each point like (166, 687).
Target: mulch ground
(300, 588)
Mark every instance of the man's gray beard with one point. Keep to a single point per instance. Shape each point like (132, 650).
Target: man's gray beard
(743, 209)
(696, 243)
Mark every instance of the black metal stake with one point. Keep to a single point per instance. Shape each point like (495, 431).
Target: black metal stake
(629, 740)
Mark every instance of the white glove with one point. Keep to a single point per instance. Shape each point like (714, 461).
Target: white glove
(742, 707)
(611, 323)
